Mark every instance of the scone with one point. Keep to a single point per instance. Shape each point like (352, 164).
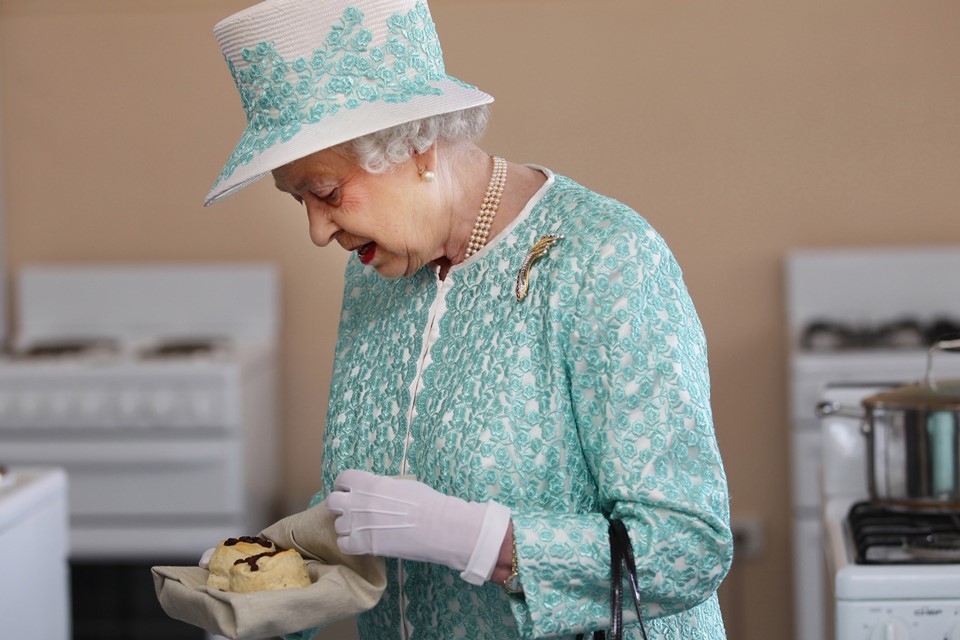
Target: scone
(283, 569)
(228, 552)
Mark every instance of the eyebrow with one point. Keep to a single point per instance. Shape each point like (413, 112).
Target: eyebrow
(276, 183)
(294, 189)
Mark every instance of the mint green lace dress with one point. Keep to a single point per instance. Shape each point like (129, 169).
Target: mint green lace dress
(589, 397)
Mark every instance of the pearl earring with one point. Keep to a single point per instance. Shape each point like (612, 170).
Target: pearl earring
(427, 176)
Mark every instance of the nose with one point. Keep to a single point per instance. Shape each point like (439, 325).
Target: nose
(322, 228)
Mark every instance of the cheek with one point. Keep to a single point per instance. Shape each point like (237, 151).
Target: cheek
(364, 202)
(385, 210)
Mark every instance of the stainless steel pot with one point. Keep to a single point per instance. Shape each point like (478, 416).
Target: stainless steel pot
(913, 438)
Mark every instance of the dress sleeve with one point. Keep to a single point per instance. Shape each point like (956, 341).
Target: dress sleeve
(636, 359)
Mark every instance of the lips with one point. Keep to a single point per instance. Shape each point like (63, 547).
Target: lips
(366, 252)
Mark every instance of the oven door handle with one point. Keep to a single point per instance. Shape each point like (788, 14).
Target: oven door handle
(127, 457)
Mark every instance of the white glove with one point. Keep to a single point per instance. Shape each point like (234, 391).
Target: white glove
(407, 519)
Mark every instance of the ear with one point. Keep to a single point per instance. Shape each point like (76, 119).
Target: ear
(427, 161)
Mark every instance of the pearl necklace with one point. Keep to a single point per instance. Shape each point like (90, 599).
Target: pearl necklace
(488, 210)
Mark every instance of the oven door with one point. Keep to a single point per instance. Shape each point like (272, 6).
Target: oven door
(143, 496)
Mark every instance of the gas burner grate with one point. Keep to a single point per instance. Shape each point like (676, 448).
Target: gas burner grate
(829, 335)
(183, 348)
(889, 534)
(65, 348)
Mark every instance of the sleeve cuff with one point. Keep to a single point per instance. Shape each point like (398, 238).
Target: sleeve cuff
(485, 554)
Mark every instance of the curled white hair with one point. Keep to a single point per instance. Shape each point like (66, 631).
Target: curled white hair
(378, 152)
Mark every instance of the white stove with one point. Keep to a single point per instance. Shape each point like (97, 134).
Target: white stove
(153, 386)
(861, 317)
(888, 602)
(884, 583)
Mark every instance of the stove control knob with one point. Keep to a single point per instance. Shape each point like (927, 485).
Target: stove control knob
(890, 630)
(29, 405)
(202, 408)
(129, 404)
(61, 404)
(92, 403)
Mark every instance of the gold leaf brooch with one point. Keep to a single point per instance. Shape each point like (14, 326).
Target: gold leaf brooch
(540, 249)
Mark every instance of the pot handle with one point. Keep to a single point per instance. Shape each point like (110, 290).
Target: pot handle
(942, 345)
(828, 408)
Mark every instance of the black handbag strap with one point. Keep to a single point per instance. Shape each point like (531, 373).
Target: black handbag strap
(616, 585)
(621, 553)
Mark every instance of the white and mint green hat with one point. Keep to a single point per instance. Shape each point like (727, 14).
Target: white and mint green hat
(316, 73)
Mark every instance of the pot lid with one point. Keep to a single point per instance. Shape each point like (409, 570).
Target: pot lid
(943, 396)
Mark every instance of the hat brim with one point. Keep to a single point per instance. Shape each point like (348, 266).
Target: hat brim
(346, 125)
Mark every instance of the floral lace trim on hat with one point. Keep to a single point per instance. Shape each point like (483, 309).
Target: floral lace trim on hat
(280, 96)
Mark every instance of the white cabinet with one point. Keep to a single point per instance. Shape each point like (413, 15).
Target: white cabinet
(34, 582)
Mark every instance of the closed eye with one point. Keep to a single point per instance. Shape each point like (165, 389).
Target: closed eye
(332, 197)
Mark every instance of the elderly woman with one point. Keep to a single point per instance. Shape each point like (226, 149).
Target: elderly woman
(518, 360)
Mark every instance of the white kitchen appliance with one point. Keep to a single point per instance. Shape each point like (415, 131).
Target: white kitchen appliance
(3, 247)
(860, 316)
(153, 386)
(893, 570)
(34, 586)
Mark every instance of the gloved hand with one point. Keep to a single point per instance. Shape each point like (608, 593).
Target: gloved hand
(312, 534)
(406, 519)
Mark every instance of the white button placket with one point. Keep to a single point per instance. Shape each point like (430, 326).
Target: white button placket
(431, 334)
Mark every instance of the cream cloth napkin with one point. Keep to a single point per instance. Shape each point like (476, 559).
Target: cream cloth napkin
(341, 586)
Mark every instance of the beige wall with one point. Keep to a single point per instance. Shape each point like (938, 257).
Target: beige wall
(741, 129)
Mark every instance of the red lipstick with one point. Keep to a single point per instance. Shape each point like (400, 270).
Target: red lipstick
(366, 252)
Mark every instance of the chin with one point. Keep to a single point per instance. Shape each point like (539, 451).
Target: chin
(394, 270)
(388, 271)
